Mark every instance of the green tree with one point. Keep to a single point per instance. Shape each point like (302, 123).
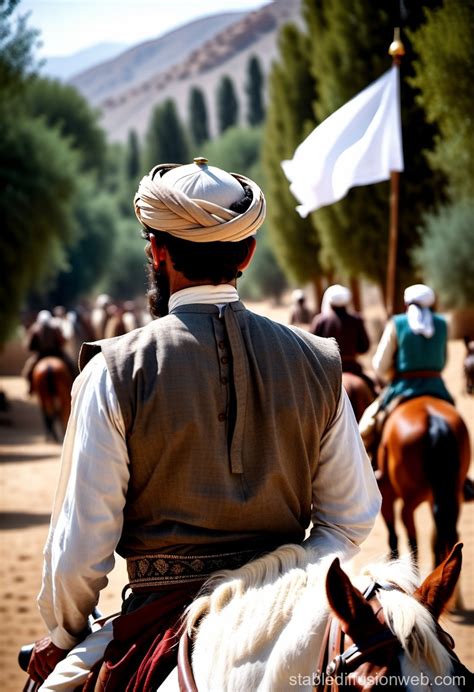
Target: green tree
(289, 119)
(38, 173)
(238, 149)
(443, 74)
(348, 51)
(126, 273)
(254, 91)
(227, 104)
(17, 45)
(133, 170)
(198, 120)
(38, 177)
(166, 139)
(63, 107)
(88, 258)
(445, 256)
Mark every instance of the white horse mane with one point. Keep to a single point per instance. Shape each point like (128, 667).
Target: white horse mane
(277, 605)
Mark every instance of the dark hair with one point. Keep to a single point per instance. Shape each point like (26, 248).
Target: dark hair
(215, 262)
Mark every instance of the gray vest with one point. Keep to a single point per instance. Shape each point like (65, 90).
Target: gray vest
(224, 415)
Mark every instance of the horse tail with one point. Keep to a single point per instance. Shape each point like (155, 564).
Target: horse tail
(442, 470)
(50, 381)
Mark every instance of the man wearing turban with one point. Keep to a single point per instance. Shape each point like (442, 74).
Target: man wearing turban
(196, 443)
(411, 355)
(347, 327)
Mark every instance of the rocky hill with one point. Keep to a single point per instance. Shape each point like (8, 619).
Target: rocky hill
(126, 89)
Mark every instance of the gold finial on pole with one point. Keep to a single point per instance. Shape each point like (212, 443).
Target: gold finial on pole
(200, 160)
(396, 49)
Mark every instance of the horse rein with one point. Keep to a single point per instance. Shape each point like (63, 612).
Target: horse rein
(335, 660)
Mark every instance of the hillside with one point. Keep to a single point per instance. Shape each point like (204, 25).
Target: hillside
(142, 62)
(126, 89)
(66, 66)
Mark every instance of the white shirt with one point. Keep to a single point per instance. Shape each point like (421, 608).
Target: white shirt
(87, 517)
(383, 361)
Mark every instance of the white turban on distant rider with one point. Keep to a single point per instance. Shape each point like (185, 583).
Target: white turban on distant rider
(419, 299)
(335, 296)
(44, 316)
(192, 203)
(297, 295)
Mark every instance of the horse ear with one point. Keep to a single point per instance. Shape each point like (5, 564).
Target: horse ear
(347, 602)
(438, 587)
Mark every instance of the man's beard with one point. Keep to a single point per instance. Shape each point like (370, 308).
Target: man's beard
(158, 290)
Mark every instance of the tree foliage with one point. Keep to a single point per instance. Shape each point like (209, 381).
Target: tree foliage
(166, 138)
(238, 149)
(227, 104)
(63, 107)
(17, 44)
(133, 157)
(289, 119)
(198, 119)
(254, 90)
(445, 256)
(443, 74)
(38, 173)
(349, 50)
(87, 259)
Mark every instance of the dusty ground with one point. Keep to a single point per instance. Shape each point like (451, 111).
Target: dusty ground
(29, 468)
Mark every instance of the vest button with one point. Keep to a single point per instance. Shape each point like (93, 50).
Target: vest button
(224, 360)
(221, 344)
(224, 380)
(222, 417)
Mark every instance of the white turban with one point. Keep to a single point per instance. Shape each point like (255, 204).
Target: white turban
(44, 316)
(335, 296)
(297, 295)
(192, 203)
(419, 299)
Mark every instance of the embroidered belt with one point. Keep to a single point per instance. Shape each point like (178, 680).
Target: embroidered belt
(160, 569)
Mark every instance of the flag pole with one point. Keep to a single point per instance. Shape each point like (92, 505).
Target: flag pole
(397, 51)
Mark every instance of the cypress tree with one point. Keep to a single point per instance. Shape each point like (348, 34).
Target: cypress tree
(227, 104)
(349, 50)
(198, 120)
(166, 137)
(254, 91)
(133, 156)
(289, 119)
(443, 74)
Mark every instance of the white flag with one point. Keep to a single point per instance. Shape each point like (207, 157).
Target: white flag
(359, 144)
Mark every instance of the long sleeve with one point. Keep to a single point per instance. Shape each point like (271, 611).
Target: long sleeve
(87, 517)
(346, 499)
(383, 361)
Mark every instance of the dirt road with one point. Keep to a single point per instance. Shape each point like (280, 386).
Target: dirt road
(29, 469)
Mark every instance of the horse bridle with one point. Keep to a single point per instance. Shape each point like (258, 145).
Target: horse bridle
(336, 662)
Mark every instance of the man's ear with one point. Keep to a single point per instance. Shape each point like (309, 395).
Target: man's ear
(252, 245)
(158, 252)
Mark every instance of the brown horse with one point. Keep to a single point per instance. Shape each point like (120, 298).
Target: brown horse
(424, 454)
(52, 382)
(359, 393)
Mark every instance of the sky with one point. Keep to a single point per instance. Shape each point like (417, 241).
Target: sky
(68, 26)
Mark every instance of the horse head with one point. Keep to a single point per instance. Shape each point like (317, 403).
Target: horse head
(389, 637)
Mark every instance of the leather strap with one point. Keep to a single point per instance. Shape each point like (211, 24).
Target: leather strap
(413, 374)
(185, 672)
